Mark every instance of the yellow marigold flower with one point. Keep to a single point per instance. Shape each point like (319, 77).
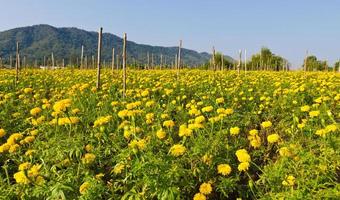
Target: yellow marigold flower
(75, 111)
(99, 176)
(234, 130)
(28, 90)
(5, 147)
(34, 170)
(30, 152)
(161, 134)
(302, 125)
(220, 100)
(228, 111)
(207, 109)
(243, 166)
(35, 111)
(266, 124)
(199, 196)
(199, 119)
(118, 168)
(102, 121)
(88, 158)
(242, 155)
(2, 133)
(177, 150)
(253, 132)
(24, 166)
(169, 123)
(305, 108)
(331, 128)
(13, 148)
(164, 116)
(61, 106)
(184, 131)
(145, 93)
(224, 169)
(285, 152)
(207, 159)
(289, 181)
(272, 138)
(29, 139)
(205, 188)
(88, 148)
(314, 113)
(255, 141)
(84, 187)
(321, 132)
(21, 178)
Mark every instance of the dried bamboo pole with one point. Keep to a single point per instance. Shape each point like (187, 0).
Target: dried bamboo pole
(10, 62)
(245, 60)
(222, 62)
(179, 57)
(161, 65)
(239, 62)
(113, 61)
(82, 57)
(148, 58)
(124, 65)
(17, 64)
(52, 57)
(99, 54)
(213, 59)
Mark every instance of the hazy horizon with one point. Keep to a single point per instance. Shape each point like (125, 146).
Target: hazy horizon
(288, 28)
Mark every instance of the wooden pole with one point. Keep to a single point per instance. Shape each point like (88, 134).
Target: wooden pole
(245, 60)
(152, 63)
(117, 63)
(24, 62)
(239, 62)
(124, 65)
(82, 57)
(161, 65)
(10, 62)
(222, 62)
(213, 59)
(52, 57)
(113, 60)
(99, 56)
(179, 57)
(63, 62)
(148, 58)
(176, 60)
(17, 64)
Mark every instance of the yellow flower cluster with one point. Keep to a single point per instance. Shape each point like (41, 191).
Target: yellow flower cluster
(62, 105)
(244, 159)
(102, 121)
(177, 150)
(28, 173)
(255, 140)
(224, 169)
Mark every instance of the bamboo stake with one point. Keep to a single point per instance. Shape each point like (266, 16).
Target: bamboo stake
(10, 62)
(179, 57)
(99, 51)
(117, 63)
(161, 65)
(222, 62)
(213, 59)
(124, 65)
(239, 62)
(17, 64)
(82, 57)
(113, 60)
(245, 60)
(148, 58)
(52, 57)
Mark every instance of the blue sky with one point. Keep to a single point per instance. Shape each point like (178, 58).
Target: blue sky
(287, 27)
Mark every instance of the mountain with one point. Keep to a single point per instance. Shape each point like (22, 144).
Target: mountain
(65, 43)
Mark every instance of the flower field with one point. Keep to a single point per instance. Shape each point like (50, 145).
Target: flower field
(200, 135)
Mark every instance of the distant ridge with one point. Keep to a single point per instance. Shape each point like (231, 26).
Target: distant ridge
(41, 40)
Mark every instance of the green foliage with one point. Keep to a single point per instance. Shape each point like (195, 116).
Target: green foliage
(41, 40)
